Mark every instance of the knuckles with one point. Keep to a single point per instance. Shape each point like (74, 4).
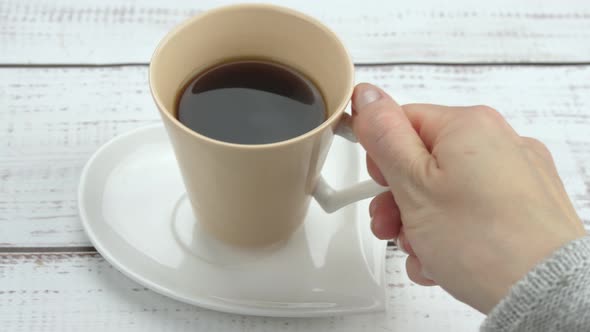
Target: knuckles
(486, 115)
(538, 147)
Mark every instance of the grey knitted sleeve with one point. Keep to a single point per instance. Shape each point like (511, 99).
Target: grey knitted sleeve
(554, 296)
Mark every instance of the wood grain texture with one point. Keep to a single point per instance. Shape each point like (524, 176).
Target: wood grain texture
(53, 119)
(81, 292)
(375, 31)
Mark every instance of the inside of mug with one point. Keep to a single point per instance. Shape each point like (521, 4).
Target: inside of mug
(251, 32)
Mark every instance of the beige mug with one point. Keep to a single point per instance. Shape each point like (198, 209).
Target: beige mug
(256, 195)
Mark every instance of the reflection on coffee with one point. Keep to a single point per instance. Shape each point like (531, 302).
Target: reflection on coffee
(250, 102)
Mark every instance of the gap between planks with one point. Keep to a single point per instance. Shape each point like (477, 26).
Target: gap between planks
(56, 250)
(85, 249)
(373, 64)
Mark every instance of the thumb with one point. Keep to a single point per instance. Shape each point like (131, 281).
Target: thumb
(385, 132)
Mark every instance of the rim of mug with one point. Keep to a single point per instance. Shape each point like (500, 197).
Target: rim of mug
(328, 122)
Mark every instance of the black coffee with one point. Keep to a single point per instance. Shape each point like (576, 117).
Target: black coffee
(251, 102)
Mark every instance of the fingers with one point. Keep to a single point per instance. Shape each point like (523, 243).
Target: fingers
(385, 216)
(403, 244)
(395, 153)
(375, 173)
(428, 119)
(414, 267)
(387, 135)
(415, 272)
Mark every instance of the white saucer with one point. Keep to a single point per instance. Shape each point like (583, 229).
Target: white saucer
(134, 208)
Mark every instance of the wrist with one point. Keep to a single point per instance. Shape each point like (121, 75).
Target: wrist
(536, 293)
(511, 262)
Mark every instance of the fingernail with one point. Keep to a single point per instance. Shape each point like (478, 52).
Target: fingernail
(367, 95)
(426, 274)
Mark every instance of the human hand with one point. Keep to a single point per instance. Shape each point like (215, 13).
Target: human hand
(475, 205)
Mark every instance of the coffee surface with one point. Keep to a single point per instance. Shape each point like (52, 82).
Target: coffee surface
(250, 102)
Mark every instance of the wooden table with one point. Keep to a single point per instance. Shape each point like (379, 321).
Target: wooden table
(73, 74)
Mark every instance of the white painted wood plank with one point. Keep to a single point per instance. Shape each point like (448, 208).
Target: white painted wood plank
(81, 292)
(375, 31)
(52, 120)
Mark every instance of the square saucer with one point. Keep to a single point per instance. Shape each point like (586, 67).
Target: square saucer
(134, 209)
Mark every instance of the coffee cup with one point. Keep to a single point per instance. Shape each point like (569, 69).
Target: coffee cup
(256, 195)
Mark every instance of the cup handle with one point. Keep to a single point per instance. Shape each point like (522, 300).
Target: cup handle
(331, 199)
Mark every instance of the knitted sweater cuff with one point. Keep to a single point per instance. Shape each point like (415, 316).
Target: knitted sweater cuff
(545, 280)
